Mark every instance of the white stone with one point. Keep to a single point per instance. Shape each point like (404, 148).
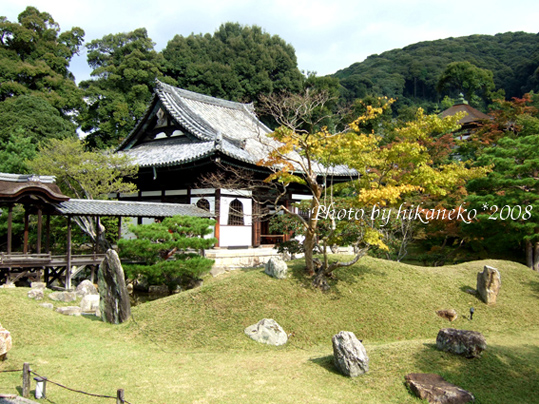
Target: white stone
(5, 342)
(49, 306)
(36, 294)
(89, 303)
(267, 331)
(63, 296)
(86, 288)
(69, 310)
(38, 285)
(276, 267)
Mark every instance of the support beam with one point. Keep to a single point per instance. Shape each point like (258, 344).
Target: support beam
(9, 229)
(39, 229)
(68, 266)
(48, 235)
(119, 227)
(26, 231)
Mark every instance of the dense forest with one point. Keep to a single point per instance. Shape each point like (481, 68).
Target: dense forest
(412, 74)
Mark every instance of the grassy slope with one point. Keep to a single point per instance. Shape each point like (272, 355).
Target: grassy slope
(191, 348)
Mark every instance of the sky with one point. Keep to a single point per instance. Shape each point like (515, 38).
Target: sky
(327, 35)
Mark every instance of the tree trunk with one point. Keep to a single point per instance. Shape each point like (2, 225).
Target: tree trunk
(308, 246)
(529, 254)
(536, 256)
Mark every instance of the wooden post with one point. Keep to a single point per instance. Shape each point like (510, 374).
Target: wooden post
(26, 380)
(39, 229)
(9, 228)
(119, 227)
(48, 235)
(120, 396)
(68, 255)
(26, 230)
(97, 233)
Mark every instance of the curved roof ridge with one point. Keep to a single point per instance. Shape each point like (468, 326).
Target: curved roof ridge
(205, 98)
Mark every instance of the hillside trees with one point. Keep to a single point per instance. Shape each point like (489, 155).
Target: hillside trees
(412, 73)
(237, 63)
(125, 67)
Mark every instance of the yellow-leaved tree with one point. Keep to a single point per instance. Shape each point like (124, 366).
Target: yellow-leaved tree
(381, 168)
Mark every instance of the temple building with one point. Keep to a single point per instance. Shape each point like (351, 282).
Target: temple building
(183, 137)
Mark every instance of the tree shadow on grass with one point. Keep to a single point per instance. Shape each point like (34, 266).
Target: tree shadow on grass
(534, 286)
(502, 374)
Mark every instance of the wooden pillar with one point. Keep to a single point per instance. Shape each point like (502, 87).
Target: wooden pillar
(26, 230)
(48, 235)
(39, 230)
(68, 255)
(26, 380)
(9, 228)
(97, 233)
(119, 227)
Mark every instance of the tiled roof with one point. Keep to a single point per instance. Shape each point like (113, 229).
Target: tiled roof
(213, 125)
(85, 207)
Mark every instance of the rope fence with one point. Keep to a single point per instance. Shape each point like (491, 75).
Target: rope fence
(26, 382)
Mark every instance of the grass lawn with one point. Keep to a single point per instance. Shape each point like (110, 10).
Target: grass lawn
(190, 347)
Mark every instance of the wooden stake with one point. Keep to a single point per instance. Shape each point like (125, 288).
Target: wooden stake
(26, 380)
(120, 396)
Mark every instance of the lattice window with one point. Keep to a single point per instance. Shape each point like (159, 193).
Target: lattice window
(203, 204)
(235, 213)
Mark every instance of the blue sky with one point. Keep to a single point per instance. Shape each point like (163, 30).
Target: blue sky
(327, 36)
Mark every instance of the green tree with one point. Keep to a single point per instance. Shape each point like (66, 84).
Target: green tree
(15, 152)
(85, 175)
(125, 67)
(508, 198)
(165, 251)
(237, 63)
(34, 60)
(476, 84)
(33, 117)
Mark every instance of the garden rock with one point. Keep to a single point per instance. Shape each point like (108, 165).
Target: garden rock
(38, 285)
(488, 284)
(461, 342)
(349, 354)
(63, 296)
(434, 389)
(450, 314)
(276, 267)
(49, 306)
(267, 331)
(89, 304)
(86, 288)
(36, 294)
(114, 305)
(69, 310)
(5, 342)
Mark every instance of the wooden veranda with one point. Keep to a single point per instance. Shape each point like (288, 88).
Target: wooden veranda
(40, 196)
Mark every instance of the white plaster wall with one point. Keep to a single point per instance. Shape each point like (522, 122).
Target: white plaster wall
(235, 236)
(247, 210)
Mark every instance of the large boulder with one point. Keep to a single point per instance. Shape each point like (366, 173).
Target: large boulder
(267, 331)
(114, 304)
(461, 342)
(86, 288)
(276, 267)
(63, 296)
(90, 304)
(434, 389)
(488, 284)
(349, 354)
(5, 342)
